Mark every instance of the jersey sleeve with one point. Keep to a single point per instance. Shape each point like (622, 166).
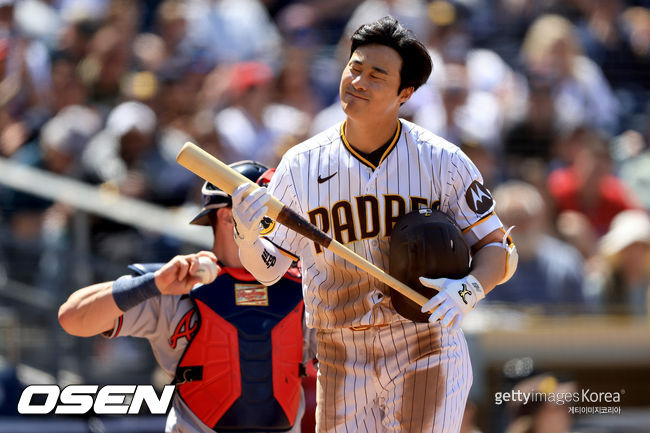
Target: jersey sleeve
(469, 202)
(147, 319)
(282, 187)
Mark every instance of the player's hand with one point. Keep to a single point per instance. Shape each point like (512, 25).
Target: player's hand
(248, 212)
(455, 300)
(176, 276)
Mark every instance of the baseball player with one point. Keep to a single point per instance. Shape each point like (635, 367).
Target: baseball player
(234, 346)
(378, 371)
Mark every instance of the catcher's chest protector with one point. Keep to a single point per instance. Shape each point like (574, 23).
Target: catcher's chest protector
(240, 371)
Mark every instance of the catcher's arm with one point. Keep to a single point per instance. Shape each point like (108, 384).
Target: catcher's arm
(93, 310)
(89, 311)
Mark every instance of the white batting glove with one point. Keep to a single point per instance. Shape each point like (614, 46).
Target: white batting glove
(248, 212)
(455, 300)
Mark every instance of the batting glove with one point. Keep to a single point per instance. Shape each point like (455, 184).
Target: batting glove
(455, 300)
(248, 212)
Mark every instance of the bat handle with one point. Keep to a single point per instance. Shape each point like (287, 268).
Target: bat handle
(291, 219)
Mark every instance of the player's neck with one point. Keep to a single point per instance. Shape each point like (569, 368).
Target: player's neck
(369, 136)
(226, 253)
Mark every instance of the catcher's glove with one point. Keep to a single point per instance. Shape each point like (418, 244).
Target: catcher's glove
(425, 243)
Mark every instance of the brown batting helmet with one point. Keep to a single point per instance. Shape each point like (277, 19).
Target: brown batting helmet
(425, 243)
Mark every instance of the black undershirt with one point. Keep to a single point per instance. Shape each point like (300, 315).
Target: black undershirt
(374, 157)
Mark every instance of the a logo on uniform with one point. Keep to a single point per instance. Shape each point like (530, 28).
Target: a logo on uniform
(478, 198)
(325, 179)
(268, 258)
(186, 328)
(251, 295)
(266, 226)
(425, 212)
(464, 292)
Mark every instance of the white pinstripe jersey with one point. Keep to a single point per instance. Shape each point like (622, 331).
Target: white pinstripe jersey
(329, 183)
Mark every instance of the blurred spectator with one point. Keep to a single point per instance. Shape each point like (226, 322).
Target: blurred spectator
(461, 114)
(171, 25)
(541, 414)
(92, 10)
(128, 155)
(472, 91)
(549, 271)
(574, 228)
(170, 47)
(24, 83)
(442, 117)
(412, 14)
(510, 21)
(38, 19)
(75, 37)
(58, 150)
(327, 117)
(253, 127)
(67, 85)
(294, 87)
(620, 280)
(64, 138)
(581, 94)
(587, 185)
(483, 158)
(450, 37)
(230, 31)
(489, 73)
(105, 65)
(618, 39)
(176, 92)
(636, 21)
(633, 158)
(602, 34)
(532, 137)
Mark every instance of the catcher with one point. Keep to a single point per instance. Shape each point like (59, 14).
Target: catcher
(234, 346)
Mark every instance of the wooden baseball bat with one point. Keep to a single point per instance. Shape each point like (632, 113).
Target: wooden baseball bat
(219, 174)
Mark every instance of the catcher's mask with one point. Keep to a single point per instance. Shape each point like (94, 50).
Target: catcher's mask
(425, 243)
(214, 198)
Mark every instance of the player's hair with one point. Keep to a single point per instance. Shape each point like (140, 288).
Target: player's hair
(416, 62)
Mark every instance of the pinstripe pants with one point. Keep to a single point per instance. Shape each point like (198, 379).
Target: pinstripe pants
(405, 377)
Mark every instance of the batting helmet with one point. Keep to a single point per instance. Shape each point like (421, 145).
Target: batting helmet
(425, 243)
(214, 198)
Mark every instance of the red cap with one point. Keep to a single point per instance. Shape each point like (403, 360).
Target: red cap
(246, 74)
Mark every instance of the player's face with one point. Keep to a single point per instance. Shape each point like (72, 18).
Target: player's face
(225, 246)
(370, 81)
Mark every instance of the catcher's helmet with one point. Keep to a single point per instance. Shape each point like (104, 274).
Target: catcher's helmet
(214, 198)
(425, 243)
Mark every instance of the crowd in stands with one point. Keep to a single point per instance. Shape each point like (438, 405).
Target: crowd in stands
(549, 98)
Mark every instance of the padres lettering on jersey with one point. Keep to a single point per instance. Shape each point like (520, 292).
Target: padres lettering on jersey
(346, 196)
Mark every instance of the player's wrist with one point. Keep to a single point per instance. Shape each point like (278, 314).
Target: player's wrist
(130, 291)
(471, 293)
(475, 285)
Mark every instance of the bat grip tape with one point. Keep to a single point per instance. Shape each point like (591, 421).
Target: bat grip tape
(298, 224)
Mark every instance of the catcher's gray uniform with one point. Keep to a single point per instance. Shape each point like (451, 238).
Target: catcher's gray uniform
(167, 322)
